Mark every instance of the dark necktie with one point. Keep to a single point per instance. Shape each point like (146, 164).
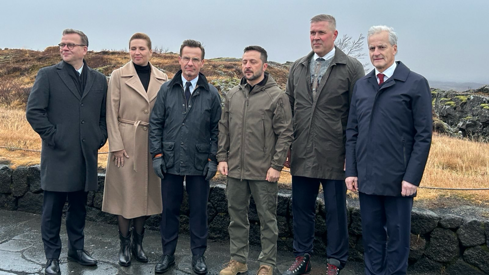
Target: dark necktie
(187, 90)
(381, 78)
(315, 81)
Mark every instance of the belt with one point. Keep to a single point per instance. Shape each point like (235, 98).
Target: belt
(135, 124)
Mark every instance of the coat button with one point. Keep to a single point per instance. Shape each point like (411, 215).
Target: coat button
(83, 140)
(181, 143)
(145, 111)
(83, 121)
(145, 128)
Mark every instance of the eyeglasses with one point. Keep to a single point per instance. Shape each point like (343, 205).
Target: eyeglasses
(187, 59)
(69, 45)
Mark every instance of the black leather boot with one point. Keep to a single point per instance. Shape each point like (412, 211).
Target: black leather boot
(125, 251)
(137, 246)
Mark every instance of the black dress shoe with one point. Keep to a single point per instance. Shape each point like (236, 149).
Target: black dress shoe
(52, 267)
(81, 257)
(164, 265)
(198, 265)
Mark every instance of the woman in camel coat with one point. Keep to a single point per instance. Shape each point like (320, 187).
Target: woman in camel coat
(132, 189)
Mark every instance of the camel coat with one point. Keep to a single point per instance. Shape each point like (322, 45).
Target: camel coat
(132, 190)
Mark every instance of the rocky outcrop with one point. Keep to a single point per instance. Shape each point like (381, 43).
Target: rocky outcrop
(462, 113)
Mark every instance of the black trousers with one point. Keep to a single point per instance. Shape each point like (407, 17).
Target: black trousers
(52, 211)
(172, 195)
(304, 194)
(386, 228)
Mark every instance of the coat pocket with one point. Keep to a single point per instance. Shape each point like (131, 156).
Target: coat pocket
(201, 155)
(169, 154)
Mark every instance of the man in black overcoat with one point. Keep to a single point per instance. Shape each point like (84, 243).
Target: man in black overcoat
(66, 108)
(183, 143)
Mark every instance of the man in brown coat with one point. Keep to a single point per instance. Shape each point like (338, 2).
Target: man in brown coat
(255, 132)
(320, 87)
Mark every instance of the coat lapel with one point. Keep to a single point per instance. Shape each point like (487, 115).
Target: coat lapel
(89, 83)
(400, 74)
(132, 80)
(372, 79)
(339, 58)
(65, 77)
(156, 80)
(305, 62)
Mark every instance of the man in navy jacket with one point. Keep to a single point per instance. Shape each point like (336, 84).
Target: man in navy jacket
(388, 142)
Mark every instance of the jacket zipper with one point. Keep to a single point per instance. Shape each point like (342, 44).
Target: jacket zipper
(264, 134)
(245, 107)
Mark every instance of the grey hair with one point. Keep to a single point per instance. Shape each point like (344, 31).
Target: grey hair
(84, 38)
(376, 29)
(325, 18)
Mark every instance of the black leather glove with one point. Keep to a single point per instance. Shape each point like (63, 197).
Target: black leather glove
(210, 169)
(159, 167)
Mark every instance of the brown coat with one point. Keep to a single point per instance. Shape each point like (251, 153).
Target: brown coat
(134, 189)
(318, 149)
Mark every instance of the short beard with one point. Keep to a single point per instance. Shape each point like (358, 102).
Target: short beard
(255, 76)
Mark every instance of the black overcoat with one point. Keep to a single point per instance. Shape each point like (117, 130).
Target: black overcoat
(72, 127)
(187, 136)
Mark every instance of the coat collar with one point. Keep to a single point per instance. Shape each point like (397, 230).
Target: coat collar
(400, 74)
(266, 83)
(62, 68)
(339, 58)
(201, 83)
(131, 79)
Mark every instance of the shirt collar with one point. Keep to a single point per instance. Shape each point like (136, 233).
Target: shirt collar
(80, 70)
(193, 82)
(388, 72)
(327, 56)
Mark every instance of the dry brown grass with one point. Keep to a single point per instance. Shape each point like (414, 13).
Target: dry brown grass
(453, 163)
(15, 132)
(456, 163)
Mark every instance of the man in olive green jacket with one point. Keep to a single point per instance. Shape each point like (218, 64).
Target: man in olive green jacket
(320, 87)
(255, 132)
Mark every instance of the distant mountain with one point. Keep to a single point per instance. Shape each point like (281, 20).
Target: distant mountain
(456, 86)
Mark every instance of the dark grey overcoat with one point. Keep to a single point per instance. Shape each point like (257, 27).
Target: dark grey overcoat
(72, 127)
(318, 149)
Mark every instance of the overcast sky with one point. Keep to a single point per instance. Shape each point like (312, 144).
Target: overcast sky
(442, 40)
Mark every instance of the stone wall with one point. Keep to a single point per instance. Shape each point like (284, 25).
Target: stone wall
(440, 244)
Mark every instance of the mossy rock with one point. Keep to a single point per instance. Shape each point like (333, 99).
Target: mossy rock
(462, 98)
(450, 103)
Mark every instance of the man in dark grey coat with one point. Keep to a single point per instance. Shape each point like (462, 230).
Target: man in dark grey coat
(388, 142)
(320, 87)
(183, 143)
(66, 108)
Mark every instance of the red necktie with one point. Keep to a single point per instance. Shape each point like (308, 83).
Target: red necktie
(381, 78)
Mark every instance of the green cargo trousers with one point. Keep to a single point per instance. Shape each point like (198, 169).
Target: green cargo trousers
(264, 194)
